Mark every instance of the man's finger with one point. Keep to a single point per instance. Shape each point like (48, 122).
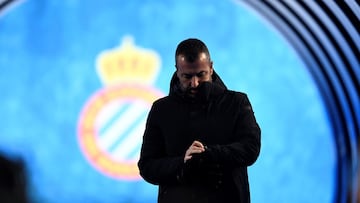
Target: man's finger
(198, 144)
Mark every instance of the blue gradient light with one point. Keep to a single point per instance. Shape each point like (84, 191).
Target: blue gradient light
(47, 59)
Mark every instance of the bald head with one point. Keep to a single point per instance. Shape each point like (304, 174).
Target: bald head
(191, 50)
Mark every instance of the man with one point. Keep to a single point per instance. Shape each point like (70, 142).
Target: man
(200, 139)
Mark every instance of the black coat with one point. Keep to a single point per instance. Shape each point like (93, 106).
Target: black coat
(221, 119)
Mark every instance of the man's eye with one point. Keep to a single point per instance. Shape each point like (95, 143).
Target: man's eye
(187, 76)
(201, 74)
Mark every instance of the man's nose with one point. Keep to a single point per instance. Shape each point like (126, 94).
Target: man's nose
(194, 81)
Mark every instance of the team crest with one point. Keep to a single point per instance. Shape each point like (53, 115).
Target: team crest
(112, 121)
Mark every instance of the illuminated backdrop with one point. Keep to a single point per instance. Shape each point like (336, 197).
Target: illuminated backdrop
(75, 114)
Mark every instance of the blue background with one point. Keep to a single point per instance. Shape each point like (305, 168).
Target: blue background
(47, 60)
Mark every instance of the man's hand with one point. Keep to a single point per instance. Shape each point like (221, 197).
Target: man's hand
(200, 166)
(195, 148)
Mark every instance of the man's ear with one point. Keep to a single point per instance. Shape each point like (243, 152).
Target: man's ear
(211, 68)
(176, 68)
(177, 71)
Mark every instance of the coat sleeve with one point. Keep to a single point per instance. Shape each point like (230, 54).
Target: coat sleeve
(154, 166)
(245, 148)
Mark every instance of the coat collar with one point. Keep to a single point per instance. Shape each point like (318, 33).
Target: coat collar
(207, 90)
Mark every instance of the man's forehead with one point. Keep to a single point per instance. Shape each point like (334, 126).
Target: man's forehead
(201, 57)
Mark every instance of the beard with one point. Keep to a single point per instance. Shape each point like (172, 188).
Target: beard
(191, 91)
